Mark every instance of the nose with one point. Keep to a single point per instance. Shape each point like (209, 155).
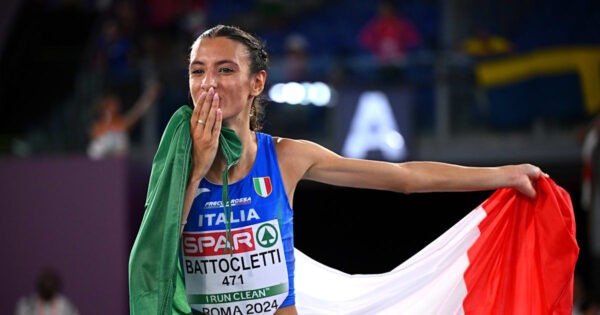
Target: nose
(208, 81)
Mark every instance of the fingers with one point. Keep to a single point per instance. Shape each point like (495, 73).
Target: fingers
(205, 106)
(204, 116)
(530, 191)
(534, 173)
(198, 104)
(216, 116)
(212, 103)
(524, 179)
(205, 127)
(537, 173)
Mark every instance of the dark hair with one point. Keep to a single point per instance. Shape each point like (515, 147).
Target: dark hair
(259, 60)
(48, 283)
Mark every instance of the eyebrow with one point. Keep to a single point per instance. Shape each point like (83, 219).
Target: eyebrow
(221, 62)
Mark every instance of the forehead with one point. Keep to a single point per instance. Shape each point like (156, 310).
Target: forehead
(217, 49)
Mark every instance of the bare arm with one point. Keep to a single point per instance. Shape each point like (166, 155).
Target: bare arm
(307, 160)
(142, 104)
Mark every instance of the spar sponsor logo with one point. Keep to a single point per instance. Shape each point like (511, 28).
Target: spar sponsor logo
(214, 243)
(243, 240)
(262, 186)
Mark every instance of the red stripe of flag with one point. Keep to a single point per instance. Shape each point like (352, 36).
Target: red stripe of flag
(523, 262)
(268, 187)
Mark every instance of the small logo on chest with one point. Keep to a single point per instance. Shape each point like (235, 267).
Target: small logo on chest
(262, 186)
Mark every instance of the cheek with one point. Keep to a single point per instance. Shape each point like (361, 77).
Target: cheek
(195, 89)
(194, 85)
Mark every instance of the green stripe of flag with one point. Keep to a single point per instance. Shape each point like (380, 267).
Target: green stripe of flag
(257, 186)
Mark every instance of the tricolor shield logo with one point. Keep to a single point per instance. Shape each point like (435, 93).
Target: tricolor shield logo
(262, 186)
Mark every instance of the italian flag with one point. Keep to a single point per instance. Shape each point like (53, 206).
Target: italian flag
(510, 255)
(262, 186)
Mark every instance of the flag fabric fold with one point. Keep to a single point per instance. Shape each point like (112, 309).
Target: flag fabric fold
(524, 260)
(510, 255)
(155, 281)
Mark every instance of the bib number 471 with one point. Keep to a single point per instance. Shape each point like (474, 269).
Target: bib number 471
(233, 280)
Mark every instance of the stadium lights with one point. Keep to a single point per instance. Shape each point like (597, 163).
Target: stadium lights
(305, 93)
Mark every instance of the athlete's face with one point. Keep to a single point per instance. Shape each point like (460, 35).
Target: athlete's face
(224, 64)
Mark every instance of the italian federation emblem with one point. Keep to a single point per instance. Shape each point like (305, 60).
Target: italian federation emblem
(262, 186)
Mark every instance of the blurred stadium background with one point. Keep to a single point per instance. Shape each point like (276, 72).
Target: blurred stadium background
(531, 103)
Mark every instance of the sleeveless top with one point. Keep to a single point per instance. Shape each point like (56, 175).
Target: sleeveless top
(258, 276)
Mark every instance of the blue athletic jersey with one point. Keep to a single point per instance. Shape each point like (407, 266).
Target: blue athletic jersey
(258, 277)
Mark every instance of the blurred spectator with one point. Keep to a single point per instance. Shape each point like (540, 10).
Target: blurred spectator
(389, 35)
(116, 55)
(126, 14)
(589, 137)
(110, 132)
(162, 15)
(115, 58)
(47, 299)
(192, 20)
(296, 58)
(113, 50)
(484, 44)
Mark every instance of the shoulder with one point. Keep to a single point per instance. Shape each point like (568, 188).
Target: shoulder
(68, 304)
(282, 143)
(296, 147)
(285, 146)
(302, 154)
(25, 305)
(296, 158)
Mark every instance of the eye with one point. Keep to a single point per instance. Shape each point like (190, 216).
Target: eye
(196, 71)
(226, 70)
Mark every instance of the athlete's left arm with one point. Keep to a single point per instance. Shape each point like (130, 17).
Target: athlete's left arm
(308, 160)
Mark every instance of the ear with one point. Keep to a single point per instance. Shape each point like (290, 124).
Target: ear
(258, 83)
